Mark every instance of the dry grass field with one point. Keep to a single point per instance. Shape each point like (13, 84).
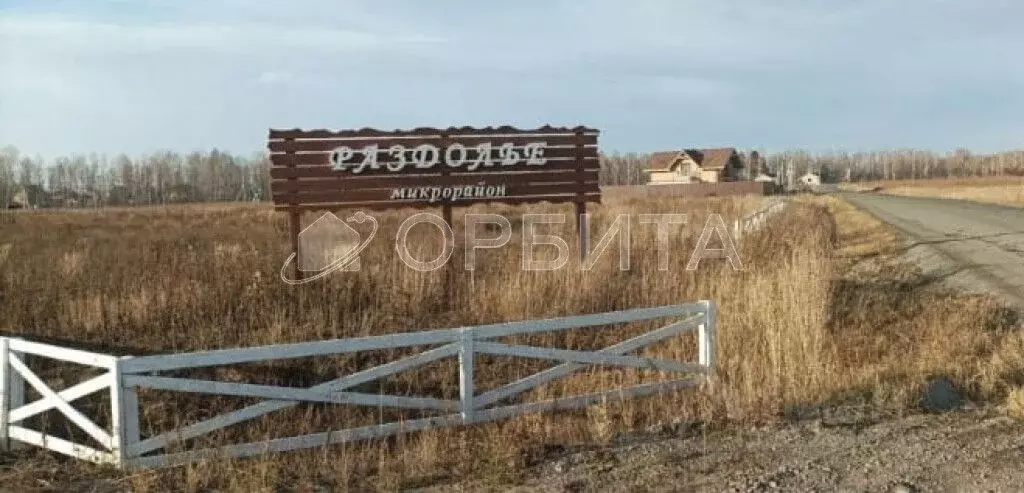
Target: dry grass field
(1007, 190)
(824, 309)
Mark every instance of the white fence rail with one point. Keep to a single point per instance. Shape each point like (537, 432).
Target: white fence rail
(123, 446)
(757, 219)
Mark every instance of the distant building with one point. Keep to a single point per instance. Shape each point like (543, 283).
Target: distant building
(810, 179)
(28, 197)
(19, 200)
(695, 166)
(178, 194)
(65, 198)
(764, 177)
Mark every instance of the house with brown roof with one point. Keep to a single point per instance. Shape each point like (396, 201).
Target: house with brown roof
(695, 166)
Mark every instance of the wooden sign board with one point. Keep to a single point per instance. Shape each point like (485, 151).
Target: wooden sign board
(372, 169)
(429, 167)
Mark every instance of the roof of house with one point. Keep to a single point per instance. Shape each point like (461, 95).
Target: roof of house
(662, 160)
(712, 158)
(716, 158)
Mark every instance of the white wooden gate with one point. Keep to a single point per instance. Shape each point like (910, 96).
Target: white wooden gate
(15, 374)
(123, 446)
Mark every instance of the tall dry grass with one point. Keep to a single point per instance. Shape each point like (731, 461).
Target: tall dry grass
(893, 328)
(794, 331)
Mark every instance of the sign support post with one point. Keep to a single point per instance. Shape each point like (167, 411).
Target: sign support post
(294, 216)
(582, 229)
(294, 226)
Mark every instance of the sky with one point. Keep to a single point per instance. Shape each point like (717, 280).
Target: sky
(142, 76)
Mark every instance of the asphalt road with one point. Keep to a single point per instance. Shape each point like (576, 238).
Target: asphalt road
(980, 245)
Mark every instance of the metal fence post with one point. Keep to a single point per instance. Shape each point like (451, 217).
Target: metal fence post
(466, 375)
(124, 416)
(706, 337)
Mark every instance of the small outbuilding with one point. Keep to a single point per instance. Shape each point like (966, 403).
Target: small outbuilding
(27, 197)
(810, 179)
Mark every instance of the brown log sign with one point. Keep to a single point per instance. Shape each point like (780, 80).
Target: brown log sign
(374, 169)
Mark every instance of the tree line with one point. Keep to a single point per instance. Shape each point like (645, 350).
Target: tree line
(900, 164)
(158, 178)
(217, 176)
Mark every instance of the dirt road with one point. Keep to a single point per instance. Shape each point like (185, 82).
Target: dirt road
(978, 247)
(844, 450)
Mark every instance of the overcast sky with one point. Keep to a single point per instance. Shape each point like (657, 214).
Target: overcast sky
(145, 75)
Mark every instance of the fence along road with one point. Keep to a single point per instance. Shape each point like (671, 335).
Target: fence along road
(757, 220)
(123, 446)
